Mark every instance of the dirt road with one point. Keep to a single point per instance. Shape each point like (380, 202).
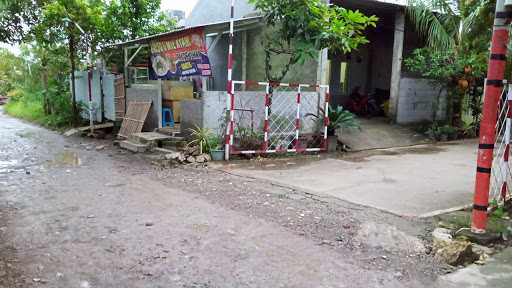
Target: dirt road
(76, 214)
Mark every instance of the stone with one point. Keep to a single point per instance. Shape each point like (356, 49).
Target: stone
(441, 237)
(482, 250)
(456, 253)
(388, 237)
(495, 273)
(173, 156)
(482, 259)
(71, 132)
(191, 150)
(39, 280)
(101, 147)
(479, 238)
(201, 158)
(207, 157)
(191, 159)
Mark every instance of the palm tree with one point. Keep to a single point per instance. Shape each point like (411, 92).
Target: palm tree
(460, 31)
(451, 24)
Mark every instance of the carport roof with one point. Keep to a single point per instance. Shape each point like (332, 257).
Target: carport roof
(217, 27)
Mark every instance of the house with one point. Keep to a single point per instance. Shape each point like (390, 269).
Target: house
(376, 68)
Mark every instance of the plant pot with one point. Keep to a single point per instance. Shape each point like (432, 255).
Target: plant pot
(332, 143)
(217, 155)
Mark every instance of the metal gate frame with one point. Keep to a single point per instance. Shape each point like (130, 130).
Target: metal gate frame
(266, 148)
(501, 171)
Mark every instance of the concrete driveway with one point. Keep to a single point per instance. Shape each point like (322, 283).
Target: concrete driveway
(416, 181)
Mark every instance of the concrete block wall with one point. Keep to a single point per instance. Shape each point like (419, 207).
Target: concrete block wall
(148, 92)
(416, 101)
(191, 115)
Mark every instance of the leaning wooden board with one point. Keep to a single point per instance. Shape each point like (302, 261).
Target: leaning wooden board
(134, 118)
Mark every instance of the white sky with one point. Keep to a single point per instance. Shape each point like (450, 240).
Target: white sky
(185, 5)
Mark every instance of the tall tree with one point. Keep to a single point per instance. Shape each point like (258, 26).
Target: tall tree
(16, 18)
(300, 28)
(10, 72)
(130, 19)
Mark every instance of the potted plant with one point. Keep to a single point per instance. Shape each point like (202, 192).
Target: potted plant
(207, 143)
(217, 148)
(339, 118)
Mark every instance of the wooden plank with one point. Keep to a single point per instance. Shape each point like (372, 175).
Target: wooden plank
(96, 127)
(120, 96)
(135, 118)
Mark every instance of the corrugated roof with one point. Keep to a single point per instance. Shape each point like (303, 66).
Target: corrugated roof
(211, 26)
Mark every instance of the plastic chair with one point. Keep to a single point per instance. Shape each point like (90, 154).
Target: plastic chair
(167, 117)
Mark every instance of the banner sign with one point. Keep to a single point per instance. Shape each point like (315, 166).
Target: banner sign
(184, 54)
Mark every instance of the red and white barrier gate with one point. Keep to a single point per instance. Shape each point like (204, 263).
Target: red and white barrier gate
(276, 118)
(489, 135)
(501, 176)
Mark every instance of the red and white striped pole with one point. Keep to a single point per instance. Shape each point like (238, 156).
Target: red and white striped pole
(493, 90)
(266, 124)
(230, 127)
(297, 120)
(327, 121)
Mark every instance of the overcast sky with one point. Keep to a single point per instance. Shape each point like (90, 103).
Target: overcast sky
(185, 5)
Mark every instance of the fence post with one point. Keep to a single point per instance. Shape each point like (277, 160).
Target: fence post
(494, 87)
(266, 124)
(230, 87)
(325, 143)
(297, 120)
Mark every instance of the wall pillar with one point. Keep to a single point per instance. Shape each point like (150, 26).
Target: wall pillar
(396, 71)
(322, 76)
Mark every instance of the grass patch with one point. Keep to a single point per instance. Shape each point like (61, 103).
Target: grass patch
(29, 107)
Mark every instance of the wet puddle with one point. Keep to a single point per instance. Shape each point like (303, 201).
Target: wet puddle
(274, 163)
(8, 166)
(365, 156)
(66, 158)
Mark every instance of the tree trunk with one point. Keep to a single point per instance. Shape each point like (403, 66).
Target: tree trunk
(269, 67)
(73, 87)
(44, 79)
